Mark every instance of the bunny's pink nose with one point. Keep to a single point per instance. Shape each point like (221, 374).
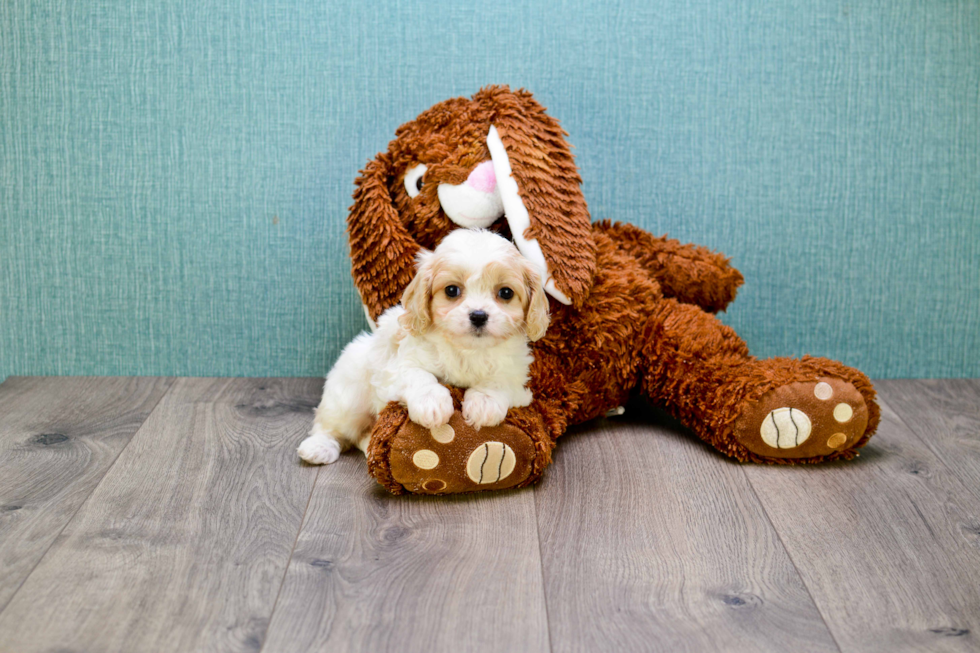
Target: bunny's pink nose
(483, 178)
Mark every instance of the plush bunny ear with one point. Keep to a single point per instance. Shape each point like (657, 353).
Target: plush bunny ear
(382, 250)
(540, 188)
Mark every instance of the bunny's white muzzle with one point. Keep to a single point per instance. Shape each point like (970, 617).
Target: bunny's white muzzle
(475, 203)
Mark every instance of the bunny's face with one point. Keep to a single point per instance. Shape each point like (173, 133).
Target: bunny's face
(494, 161)
(432, 159)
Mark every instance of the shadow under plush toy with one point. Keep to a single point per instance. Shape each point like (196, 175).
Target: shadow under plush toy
(629, 310)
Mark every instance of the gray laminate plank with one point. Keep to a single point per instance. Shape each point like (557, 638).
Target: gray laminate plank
(652, 542)
(58, 437)
(888, 544)
(945, 414)
(183, 545)
(375, 572)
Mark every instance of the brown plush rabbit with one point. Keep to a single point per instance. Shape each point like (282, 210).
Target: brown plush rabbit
(629, 310)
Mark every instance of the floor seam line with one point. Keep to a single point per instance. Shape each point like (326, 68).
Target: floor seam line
(289, 560)
(544, 589)
(90, 494)
(796, 567)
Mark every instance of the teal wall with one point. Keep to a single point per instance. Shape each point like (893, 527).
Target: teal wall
(174, 174)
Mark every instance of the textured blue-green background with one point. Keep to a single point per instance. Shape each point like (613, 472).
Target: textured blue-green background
(175, 174)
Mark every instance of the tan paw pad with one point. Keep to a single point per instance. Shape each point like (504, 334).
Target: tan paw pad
(836, 441)
(823, 391)
(434, 485)
(425, 459)
(443, 434)
(785, 428)
(491, 462)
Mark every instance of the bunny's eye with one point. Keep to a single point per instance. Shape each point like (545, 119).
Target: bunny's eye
(414, 181)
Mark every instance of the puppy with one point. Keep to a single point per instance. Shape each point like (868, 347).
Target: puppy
(464, 320)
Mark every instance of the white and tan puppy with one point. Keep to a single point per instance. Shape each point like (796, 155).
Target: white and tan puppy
(465, 320)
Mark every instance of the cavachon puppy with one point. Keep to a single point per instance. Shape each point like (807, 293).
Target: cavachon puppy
(630, 312)
(464, 320)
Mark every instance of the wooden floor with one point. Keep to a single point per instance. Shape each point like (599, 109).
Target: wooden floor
(141, 514)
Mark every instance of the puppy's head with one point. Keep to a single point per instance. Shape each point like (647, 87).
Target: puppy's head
(494, 161)
(476, 290)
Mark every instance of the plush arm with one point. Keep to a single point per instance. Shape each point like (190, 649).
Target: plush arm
(691, 274)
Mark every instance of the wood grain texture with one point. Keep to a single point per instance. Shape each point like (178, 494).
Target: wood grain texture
(639, 537)
(58, 437)
(374, 572)
(888, 544)
(651, 542)
(945, 414)
(183, 545)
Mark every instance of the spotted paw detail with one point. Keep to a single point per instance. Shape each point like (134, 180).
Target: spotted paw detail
(455, 457)
(490, 463)
(781, 429)
(803, 420)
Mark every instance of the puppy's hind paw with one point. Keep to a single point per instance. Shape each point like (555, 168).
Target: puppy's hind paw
(319, 449)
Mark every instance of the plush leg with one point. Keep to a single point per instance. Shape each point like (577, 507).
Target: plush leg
(774, 410)
(406, 457)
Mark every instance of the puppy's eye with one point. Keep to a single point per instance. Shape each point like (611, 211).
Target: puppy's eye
(414, 181)
(452, 291)
(505, 294)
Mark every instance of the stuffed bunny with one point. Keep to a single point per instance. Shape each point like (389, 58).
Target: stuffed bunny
(629, 311)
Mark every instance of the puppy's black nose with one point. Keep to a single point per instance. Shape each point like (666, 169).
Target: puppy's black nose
(479, 318)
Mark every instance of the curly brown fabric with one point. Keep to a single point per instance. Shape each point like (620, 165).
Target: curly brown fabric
(379, 448)
(689, 273)
(641, 313)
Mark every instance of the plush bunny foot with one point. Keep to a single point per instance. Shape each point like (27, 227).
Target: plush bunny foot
(804, 420)
(455, 457)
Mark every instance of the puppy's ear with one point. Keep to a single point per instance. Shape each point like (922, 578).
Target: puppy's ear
(546, 210)
(417, 298)
(381, 248)
(536, 318)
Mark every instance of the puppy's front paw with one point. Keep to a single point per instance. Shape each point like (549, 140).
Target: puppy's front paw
(319, 449)
(431, 408)
(481, 409)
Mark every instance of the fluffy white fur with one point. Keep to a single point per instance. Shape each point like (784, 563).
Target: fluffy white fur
(435, 338)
